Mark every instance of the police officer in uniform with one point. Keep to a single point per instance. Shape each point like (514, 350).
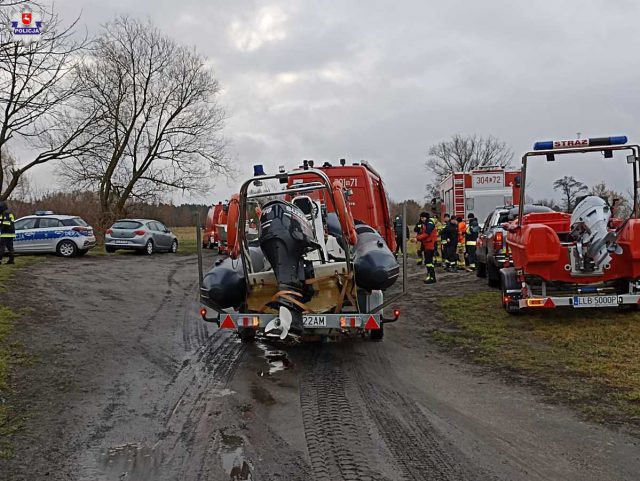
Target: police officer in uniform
(471, 239)
(428, 238)
(7, 232)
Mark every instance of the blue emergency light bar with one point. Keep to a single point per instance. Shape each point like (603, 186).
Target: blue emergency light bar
(594, 142)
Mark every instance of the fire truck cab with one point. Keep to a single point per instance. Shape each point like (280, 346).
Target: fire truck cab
(478, 192)
(366, 194)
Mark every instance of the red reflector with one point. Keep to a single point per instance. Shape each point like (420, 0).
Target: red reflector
(227, 323)
(549, 304)
(353, 321)
(371, 324)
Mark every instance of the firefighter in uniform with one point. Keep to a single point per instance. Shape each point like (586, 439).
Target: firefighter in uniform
(418, 230)
(471, 239)
(449, 236)
(462, 230)
(7, 232)
(397, 228)
(428, 238)
(437, 253)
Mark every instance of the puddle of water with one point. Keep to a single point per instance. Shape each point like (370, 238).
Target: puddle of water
(277, 360)
(222, 392)
(233, 458)
(132, 461)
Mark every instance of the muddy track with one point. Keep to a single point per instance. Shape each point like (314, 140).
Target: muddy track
(134, 386)
(334, 423)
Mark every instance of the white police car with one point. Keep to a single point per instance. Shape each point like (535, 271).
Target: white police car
(66, 235)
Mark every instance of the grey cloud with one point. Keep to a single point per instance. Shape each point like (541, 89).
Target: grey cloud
(383, 80)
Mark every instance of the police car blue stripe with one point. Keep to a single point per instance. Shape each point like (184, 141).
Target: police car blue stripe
(36, 235)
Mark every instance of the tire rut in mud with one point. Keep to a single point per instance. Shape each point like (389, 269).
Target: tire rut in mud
(417, 448)
(335, 428)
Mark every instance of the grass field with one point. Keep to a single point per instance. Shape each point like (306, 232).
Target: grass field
(590, 358)
(187, 243)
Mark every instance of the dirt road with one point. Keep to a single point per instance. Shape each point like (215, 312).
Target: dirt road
(131, 385)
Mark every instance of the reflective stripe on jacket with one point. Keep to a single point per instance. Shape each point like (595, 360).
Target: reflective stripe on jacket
(7, 225)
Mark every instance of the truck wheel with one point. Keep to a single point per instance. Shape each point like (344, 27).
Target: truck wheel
(377, 334)
(481, 269)
(493, 276)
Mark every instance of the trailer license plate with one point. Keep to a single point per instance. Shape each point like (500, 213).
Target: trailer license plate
(595, 301)
(314, 321)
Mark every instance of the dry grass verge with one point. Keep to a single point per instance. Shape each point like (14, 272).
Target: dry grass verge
(588, 358)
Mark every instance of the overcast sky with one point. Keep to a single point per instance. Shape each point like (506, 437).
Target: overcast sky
(383, 80)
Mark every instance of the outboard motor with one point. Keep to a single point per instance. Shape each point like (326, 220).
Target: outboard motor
(594, 242)
(285, 236)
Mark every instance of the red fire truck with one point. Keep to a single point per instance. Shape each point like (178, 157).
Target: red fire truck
(367, 196)
(478, 192)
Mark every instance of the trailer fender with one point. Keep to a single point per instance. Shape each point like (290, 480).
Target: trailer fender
(510, 288)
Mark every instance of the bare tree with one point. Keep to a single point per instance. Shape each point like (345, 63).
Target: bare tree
(570, 188)
(34, 93)
(464, 153)
(8, 164)
(159, 126)
(15, 3)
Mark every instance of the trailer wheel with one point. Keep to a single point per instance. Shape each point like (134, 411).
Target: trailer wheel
(481, 269)
(377, 334)
(508, 282)
(493, 275)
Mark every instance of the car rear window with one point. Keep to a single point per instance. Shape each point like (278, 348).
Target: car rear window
(127, 224)
(504, 217)
(74, 222)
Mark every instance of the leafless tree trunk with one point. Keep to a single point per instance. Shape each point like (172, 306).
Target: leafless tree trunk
(465, 153)
(570, 188)
(159, 123)
(34, 94)
(22, 189)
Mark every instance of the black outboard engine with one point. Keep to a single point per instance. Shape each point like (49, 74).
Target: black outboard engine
(285, 236)
(374, 264)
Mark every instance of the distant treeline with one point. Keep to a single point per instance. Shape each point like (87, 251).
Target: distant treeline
(86, 205)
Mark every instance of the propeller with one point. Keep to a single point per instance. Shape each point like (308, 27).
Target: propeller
(281, 323)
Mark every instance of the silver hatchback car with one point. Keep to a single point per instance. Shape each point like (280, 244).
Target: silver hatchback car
(142, 235)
